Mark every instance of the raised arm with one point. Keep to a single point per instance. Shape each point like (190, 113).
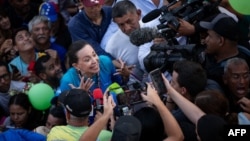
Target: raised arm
(188, 108)
(172, 128)
(91, 134)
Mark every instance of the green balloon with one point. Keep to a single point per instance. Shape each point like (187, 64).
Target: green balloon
(241, 6)
(40, 96)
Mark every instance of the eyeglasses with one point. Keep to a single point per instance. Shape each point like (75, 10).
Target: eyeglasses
(5, 76)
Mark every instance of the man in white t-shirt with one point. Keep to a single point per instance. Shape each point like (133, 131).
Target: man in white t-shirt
(127, 17)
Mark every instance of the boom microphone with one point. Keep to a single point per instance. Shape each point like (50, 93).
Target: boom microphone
(144, 35)
(98, 98)
(151, 15)
(157, 12)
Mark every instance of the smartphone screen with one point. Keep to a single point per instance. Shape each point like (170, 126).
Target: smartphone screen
(134, 96)
(79, 74)
(157, 81)
(14, 69)
(130, 97)
(122, 99)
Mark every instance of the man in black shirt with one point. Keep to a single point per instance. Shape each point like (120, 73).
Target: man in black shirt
(221, 45)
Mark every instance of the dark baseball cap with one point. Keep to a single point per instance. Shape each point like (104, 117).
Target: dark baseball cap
(223, 25)
(211, 128)
(76, 101)
(127, 128)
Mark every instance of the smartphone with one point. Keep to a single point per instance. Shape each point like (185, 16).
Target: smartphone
(157, 80)
(129, 97)
(133, 96)
(81, 75)
(122, 99)
(14, 69)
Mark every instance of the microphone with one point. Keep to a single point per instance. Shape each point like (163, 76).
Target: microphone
(98, 99)
(116, 88)
(144, 35)
(151, 15)
(157, 12)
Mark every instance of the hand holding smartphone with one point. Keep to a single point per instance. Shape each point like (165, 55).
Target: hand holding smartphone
(16, 75)
(158, 82)
(81, 75)
(14, 68)
(129, 97)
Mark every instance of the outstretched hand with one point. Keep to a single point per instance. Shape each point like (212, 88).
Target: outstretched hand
(108, 104)
(152, 95)
(168, 85)
(124, 70)
(85, 85)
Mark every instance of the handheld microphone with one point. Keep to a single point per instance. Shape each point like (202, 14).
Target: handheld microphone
(116, 88)
(98, 99)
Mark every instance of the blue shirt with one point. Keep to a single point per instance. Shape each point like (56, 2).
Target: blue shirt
(61, 51)
(21, 65)
(106, 78)
(107, 70)
(81, 28)
(21, 135)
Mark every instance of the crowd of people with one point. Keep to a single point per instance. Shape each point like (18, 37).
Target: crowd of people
(101, 79)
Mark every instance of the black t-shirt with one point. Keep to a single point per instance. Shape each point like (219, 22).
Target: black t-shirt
(215, 70)
(233, 106)
(187, 127)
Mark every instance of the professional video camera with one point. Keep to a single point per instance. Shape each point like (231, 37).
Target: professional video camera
(191, 11)
(163, 56)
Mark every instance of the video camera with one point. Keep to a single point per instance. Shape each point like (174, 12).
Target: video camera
(191, 11)
(165, 54)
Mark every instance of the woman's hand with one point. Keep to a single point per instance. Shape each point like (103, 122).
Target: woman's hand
(85, 85)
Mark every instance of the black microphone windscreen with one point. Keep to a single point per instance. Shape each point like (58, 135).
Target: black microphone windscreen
(151, 15)
(142, 35)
